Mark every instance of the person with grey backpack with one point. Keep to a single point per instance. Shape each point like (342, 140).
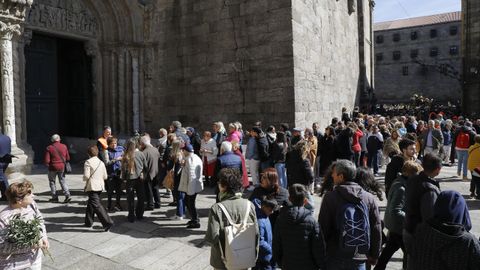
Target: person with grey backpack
(350, 222)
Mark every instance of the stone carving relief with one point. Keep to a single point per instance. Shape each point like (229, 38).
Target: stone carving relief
(14, 9)
(8, 30)
(63, 15)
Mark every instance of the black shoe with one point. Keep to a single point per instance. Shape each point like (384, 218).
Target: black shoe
(156, 206)
(67, 199)
(87, 225)
(172, 204)
(149, 209)
(108, 227)
(190, 222)
(194, 225)
(53, 200)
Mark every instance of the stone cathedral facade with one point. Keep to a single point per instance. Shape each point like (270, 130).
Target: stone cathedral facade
(77, 65)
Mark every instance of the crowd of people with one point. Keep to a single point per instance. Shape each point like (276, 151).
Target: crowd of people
(279, 171)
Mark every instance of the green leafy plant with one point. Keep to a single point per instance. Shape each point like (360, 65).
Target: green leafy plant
(26, 233)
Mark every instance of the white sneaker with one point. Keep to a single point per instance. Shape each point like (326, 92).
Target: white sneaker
(176, 218)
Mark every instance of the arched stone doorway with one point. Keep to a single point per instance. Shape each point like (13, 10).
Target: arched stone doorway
(79, 69)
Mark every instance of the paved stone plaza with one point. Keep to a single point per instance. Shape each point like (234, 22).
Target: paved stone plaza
(156, 242)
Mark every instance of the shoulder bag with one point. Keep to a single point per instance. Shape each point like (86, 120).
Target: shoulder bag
(68, 167)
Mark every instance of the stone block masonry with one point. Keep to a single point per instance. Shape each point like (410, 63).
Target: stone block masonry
(269, 60)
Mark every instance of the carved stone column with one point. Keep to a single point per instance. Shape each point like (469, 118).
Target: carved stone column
(12, 16)
(7, 31)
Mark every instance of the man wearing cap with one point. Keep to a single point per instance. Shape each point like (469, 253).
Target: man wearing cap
(191, 183)
(56, 155)
(151, 181)
(296, 136)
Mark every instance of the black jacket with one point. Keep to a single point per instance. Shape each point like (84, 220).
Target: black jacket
(394, 168)
(344, 144)
(328, 152)
(297, 240)
(444, 246)
(420, 196)
(298, 170)
(278, 153)
(262, 145)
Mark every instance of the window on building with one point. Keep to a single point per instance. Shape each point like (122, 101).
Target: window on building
(413, 35)
(433, 33)
(397, 55)
(453, 50)
(453, 30)
(379, 57)
(414, 53)
(433, 52)
(396, 37)
(405, 70)
(379, 39)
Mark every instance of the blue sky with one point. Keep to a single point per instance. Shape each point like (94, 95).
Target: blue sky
(387, 10)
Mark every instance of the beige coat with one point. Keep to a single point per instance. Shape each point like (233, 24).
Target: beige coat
(95, 174)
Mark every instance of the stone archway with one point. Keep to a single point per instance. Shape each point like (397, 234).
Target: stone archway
(113, 35)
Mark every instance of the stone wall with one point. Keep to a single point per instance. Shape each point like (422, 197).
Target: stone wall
(222, 60)
(426, 75)
(471, 52)
(326, 53)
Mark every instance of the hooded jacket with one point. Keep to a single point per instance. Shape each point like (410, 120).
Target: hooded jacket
(420, 196)
(444, 242)
(298, 240)
(351, 192)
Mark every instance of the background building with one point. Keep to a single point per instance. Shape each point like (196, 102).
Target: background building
(419, 55)
(471, 56)
(139, 64)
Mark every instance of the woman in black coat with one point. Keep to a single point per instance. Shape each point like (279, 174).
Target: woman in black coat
(328, 151)
(298, 166)
(270, 188)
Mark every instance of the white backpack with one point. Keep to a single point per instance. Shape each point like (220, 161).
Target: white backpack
(240, 242)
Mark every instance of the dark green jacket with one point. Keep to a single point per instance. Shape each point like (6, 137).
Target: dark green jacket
(395, 211)
(235, 206)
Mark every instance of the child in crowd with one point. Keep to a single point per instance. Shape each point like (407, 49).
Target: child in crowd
(264, 209)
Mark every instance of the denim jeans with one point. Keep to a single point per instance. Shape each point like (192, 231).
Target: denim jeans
(52, 176)
(345, 264)
(180, 203)
(282, 174)
(462, 156)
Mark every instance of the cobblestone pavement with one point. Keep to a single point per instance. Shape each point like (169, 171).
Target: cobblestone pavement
(155, 242)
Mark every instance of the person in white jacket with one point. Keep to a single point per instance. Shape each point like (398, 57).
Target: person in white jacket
(191, 184)
(209, 152)
(95, 174)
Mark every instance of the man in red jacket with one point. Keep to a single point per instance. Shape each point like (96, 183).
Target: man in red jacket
(56, 155)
